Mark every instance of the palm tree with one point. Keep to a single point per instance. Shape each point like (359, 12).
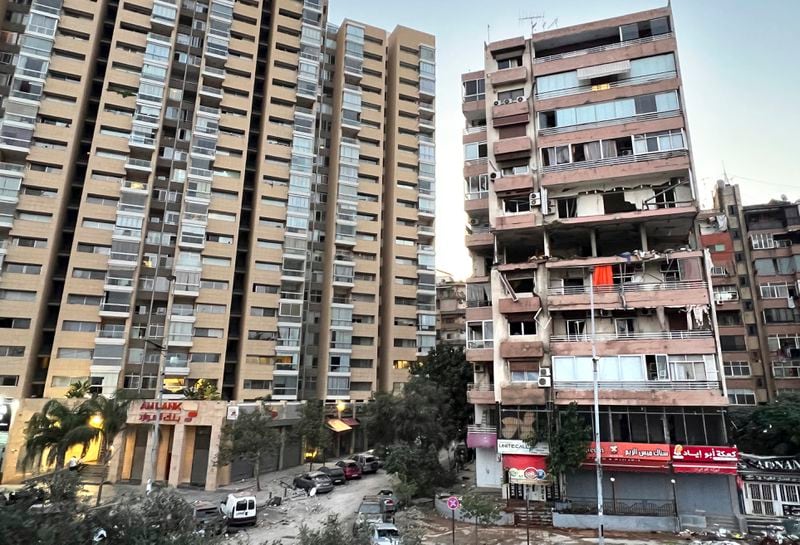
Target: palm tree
(56, 428)
(78, 390)
(109, 416)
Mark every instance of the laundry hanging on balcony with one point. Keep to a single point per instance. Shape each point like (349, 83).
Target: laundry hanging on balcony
(603, 275)
(696, 316)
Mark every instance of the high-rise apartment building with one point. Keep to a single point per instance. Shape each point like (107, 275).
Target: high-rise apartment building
(451, 306)
(755, 281)
(231, 191)
(581, 204)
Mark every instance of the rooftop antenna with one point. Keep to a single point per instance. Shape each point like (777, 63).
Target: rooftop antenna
(539, 21)
(488, 34)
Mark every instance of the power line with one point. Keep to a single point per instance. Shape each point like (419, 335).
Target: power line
(791, 186)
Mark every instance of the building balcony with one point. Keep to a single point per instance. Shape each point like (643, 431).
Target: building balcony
(512, 147)
(697, 341)
(514, 112)
(508, 75)
(481, 393)
(521, 182)
(523, 393)
(521, 349)
(523, 303)
(588, 88)
(481, 437)
(616, 167)
(646, 393)
(474, 108)
(645, 295)
(480, 350)
(483, 312)
(478, 240)
(650, 212)
(476, 204)
(524, 220)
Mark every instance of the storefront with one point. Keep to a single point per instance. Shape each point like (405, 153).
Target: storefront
(770, 485)
(524, 470)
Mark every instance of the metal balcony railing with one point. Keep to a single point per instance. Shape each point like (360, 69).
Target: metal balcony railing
(655, 286)
(642, 385)
(480, 387)
(600, 48)
(472, 428)
(637, 80)
(642, 335)
(480, 343)
(609, 122)
(620, 160)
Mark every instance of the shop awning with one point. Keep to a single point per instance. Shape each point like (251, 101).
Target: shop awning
(721, 468)
(526, 469)
(337, 425)
(352, 422)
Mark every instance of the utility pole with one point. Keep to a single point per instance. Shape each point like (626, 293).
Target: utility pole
(596, 388)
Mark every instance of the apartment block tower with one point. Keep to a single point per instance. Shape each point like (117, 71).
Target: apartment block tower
(237, 192)
(581, 203)
(755, 278)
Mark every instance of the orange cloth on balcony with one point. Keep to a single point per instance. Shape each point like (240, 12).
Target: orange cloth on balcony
(603, 275)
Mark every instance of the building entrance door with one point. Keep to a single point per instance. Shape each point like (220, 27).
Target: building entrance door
(139, 451)
(202, 442)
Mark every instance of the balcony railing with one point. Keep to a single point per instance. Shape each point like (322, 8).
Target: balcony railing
(642, 335)
(600, 48)
(481, 343)
(642, 385)
(609, 122)
(637, 80)
(480, 387)
(588, 506)
(620, 160)
(617, 288)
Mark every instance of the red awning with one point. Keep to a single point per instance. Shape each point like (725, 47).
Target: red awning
(352, 422)
(715, 469)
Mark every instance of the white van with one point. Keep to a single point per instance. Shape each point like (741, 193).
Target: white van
(238, 509)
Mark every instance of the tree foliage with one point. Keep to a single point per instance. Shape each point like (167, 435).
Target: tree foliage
(312, 429)
(446, 367)
(251, 437)
(569, 442)
(202, 390)
(78, 390)
(52, 431)
(481, 508)
(417, 467)
(771, 429)
(54, 514)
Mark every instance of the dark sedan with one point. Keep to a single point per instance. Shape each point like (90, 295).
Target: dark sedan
(314, 479)
(336, 474)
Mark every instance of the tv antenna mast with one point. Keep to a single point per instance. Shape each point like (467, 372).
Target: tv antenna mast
(538, 22)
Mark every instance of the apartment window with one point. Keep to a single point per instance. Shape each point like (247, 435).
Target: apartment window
(75, 353)
(762, 241)
(477, 187)
(74, 325)
(527, 327)
(729, 317)
(741, 397)
(208, 308)
(88, 274)
(475, 150)
(736, 368)
(17, 295)
(774, 291)
(15, 323)
(516, 205)
(22, 268)
(511, 95)
(12, 351)
(658, 141)
(474, 90)
(723, 294)
(732, 343)
(361, 363)
(9, 380)
(255, 384)
(26, 242)
(480, 334)
(263, 311)
(212, 332)
(625, 327)
(786, 369)
(214, 284)
(645, 29)
(781, 315)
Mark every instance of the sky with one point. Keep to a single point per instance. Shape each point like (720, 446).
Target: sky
(741, 81)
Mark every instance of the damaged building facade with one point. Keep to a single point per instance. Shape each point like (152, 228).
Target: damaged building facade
(580, 195)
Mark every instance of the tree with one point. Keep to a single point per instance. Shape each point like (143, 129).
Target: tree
(78, 390)
(569, 443)
(771, 429)
(419, 415)
(418, 469)
(447, 368)
(483, 509)
(56, 428)
(250, 437)
(313, 431)
(202, 390)
(379, 420)
(111, 416)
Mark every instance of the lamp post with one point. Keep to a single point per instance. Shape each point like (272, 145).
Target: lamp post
(675, 506)
(340, 407)
(596, 391)
(613, 493)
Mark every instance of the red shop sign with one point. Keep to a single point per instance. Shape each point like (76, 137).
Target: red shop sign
(630, 456)
(704, 459)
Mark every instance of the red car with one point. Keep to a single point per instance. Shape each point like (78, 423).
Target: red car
(351, 469)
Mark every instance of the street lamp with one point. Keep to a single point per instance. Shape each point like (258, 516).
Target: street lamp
(596, 395)
(675, 506)
(613, 493)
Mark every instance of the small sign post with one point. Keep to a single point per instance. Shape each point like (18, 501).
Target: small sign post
(453, 503)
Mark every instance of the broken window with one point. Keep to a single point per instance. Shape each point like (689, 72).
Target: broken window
(657, 367)
(615, 202)
(576, 329)
(625, 327)
(515, 205)
(568, 207)
(547, 119)
(522, 284)
(526, 327)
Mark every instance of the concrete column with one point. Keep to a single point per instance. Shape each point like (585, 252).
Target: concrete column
(643, 236)
(148, 458)
(546, 238)
(178, 436)
(213, 452)
(593, 241)
(282, 448)
(119, 451)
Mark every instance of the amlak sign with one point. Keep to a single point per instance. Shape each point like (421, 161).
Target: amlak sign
(167, 412)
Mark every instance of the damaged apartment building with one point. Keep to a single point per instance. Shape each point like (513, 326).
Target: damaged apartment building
(581, 201)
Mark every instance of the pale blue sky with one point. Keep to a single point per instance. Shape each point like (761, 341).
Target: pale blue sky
(739, 60)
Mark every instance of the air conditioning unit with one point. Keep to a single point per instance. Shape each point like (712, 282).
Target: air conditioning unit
(493, 176)
(498, 102)
(508, 101)
(648, 312)
(474, 221)
(545, 382)
(479, 369)
(535, 199)
(552, 207)
(520, 99)
(604, 313)
(544, 371)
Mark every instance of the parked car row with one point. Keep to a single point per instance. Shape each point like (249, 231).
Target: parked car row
(324, 479)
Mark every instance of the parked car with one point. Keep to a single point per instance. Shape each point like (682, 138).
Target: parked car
(238, 509)
(371, 452)
(367, 462)
(335, 473)
(384, 534)
(351, 469)
(370, 512)
(314, 479)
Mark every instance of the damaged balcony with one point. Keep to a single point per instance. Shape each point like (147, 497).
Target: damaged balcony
(480, 393)
(661, 281)
(640, 379)
(519, 295)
